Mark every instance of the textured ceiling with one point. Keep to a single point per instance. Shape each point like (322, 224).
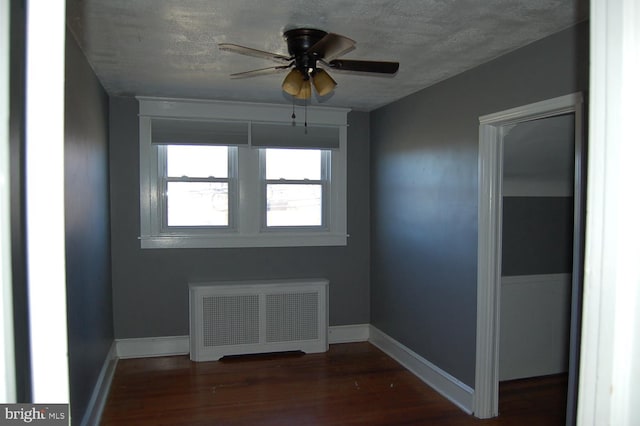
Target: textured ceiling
(169, 47)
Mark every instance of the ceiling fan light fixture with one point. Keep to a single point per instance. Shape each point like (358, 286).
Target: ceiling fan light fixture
(293, 82)
(323, 82)
(305, 90)
(307, 48)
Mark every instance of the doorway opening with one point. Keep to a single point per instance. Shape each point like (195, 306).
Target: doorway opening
(493, 130)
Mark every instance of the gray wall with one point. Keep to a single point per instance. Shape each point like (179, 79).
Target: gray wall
(424, 201)
(537, 235)
(88, 251)
(150, 286)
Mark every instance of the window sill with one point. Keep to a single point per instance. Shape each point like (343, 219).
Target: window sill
(302, 239)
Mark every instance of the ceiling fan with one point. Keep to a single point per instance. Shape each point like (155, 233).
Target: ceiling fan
(311, 52)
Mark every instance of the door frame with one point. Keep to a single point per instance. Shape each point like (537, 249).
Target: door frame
(490, 167)
(7, 355)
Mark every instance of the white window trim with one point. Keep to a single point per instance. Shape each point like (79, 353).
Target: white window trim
(249, 230)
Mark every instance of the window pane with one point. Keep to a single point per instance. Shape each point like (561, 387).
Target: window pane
(294, 205)
(294, 164)
(198, 204)
(197, 161)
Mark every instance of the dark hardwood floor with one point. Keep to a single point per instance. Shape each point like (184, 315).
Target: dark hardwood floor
(352, 384)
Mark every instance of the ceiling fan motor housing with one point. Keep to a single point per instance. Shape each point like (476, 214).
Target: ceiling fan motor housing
(298, 42)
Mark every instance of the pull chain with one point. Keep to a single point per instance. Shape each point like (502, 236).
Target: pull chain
(305, 116)
(293, 111)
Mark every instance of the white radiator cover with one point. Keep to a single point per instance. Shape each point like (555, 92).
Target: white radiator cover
(245, 317)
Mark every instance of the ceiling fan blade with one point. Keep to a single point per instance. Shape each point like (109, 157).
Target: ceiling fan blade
(332, 46)
(242, 50)
(261, 71)
(380, 67)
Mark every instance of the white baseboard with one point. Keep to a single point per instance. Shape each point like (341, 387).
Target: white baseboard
(348, 333)
(101, 389)
(447, 385)
(146, 347)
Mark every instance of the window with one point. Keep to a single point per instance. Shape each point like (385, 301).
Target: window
(198, 186)
(229, 175)
(295, 183)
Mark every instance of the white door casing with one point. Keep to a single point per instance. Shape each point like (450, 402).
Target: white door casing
(490, 166)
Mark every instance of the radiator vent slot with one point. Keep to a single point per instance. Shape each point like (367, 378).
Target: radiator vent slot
(292, 316)
(232, 318)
